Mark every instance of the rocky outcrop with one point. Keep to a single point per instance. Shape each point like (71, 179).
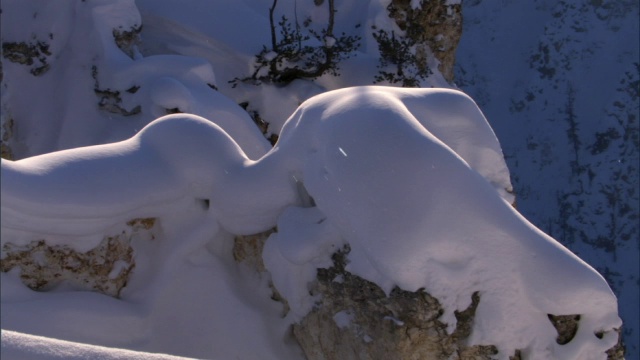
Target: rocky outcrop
(434, 24)
(355, 319)
(33, 54)
(6, 122)
(618, 351)
(128, 40)
(111, 100)
(105, 269)
(6, 131)
(248, 250)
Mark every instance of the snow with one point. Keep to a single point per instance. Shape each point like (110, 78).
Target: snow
(167, 163)
(164, 81)
(414, 180)
(30, 347)
(165, 307)
(329, 41)
(395, 320)
(118, 266)
(403, 225)
(270, 55)
(343, 319)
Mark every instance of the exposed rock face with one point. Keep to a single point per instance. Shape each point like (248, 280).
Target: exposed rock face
(248, 250)
(111, 100)
(356, 320)
(617, 352)
(128, 40)
(353, 319)
(6, 122)
(105, 269)
(6, 129)
(33, 54)
(436, 24)
(566, 325)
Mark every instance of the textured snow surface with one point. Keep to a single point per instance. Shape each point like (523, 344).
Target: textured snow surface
(414, 212)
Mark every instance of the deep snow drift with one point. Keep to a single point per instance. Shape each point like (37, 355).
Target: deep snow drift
(413, 180)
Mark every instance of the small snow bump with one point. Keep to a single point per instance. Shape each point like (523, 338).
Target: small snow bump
(343, 318)
(118, 267)
(395, 320)
(329, 41)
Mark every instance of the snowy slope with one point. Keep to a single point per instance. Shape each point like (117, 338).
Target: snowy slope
(558, 81)
(130, 91)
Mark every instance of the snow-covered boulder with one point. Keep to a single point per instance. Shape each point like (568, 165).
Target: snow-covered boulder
(412, 180)
(417, 215)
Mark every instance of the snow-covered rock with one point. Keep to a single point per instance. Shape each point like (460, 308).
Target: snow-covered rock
(405, 168)
(377, 179)
(413, 181)
(355, 319)
(105, 268)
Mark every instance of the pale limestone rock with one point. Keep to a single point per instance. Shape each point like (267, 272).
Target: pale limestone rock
(105, 269)
(248, 249)
(354, 318)
(436, 25)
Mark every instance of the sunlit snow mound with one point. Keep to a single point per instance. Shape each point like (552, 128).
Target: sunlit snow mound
(412, 179)
(16, 345)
